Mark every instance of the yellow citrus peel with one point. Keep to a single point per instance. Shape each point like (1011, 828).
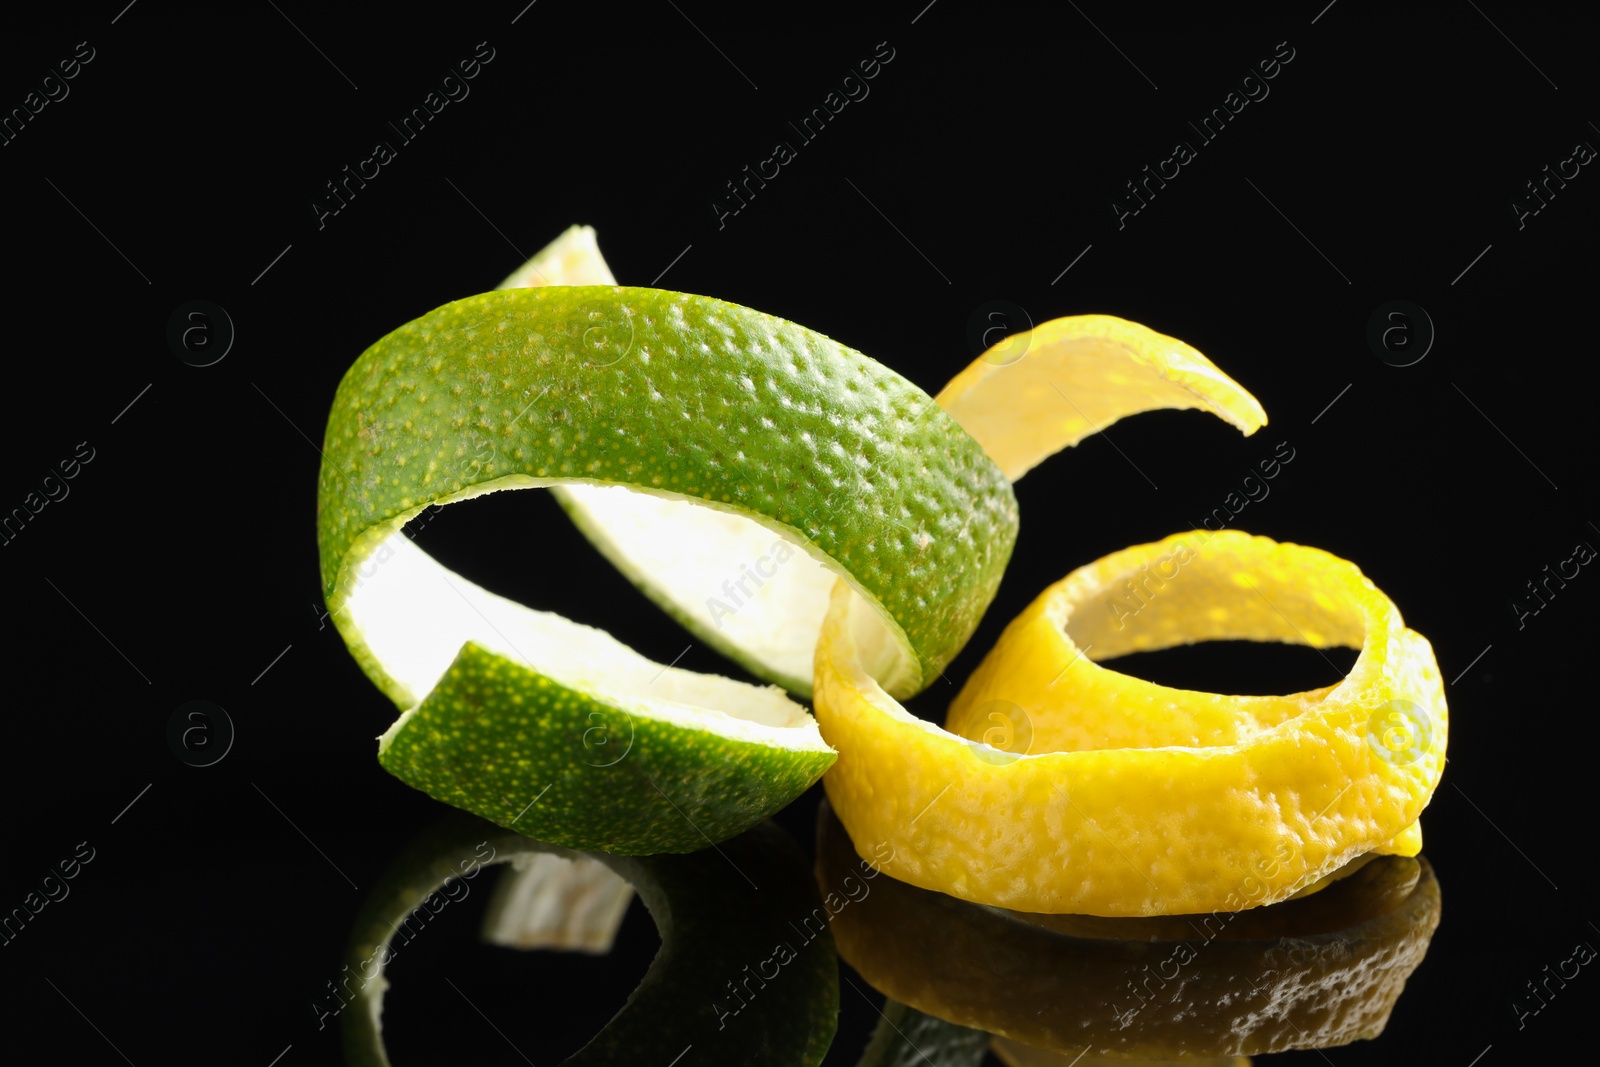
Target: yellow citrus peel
(1038, 392)
(1264, 797)
(1130, 798)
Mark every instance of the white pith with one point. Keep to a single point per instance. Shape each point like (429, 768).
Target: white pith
(743, 586)
(413, 615)
(719, 571)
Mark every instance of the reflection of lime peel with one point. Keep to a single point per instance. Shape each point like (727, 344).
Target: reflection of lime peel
(555, 902)
(712, 923)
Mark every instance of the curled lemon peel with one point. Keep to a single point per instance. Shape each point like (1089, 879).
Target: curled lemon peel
(1038, 392)
(1130, 798)
(1242, 816)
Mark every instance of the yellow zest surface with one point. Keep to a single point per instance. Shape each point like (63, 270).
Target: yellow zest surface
(1103, 794)
(1038, 392)
(1112, 812)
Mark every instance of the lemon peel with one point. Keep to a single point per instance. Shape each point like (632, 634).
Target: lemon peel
(1266, 796)
(1010, 833)
(1097, 708)
(1038, 392)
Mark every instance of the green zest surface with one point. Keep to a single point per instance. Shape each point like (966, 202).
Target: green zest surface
(684, 396)
(507, 743)
(555, 729)
(705, 988)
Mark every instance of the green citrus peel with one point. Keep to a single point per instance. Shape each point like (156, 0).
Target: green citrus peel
(734, 464)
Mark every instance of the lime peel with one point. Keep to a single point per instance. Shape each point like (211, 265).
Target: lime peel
(720, 426)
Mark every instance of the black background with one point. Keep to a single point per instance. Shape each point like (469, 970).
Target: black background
(182, 166)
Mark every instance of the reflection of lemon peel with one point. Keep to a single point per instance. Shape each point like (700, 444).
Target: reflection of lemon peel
(1016, 1054)
(1269, 794)
(1076, 376)
(1310, 974)
(905, 1036)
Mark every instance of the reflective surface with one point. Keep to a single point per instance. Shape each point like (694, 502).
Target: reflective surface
(185, 895)
(709, 983)
(750, 974)
(1314, 973)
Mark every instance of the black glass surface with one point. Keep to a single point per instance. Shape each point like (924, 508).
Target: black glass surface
(1389, 242)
